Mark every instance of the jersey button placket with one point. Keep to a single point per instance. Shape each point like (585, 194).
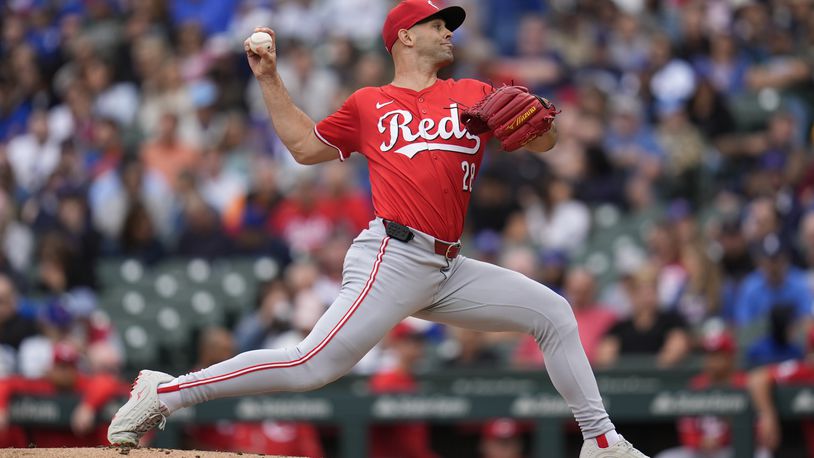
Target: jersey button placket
(421, 106)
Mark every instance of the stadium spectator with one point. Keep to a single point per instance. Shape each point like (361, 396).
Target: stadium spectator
(502, 438)
(163, 89)
(167, 154)
(306, 308)
(218, 186)
(14, 326)
(649, 330)
(806, 244)
(534, 64)
(684, 149)
(710, 436)
(348, 205)
(139, 239)
(630, 141)
(304, 219)
(309, 84)
(212, 15)
(107, 150)
(775, 281)
(258, 329)
(34, 155)
(725, 67)
(402, 440)
(761, 383)
(113, 193)
(117, 101)
(593, 318)
(202, 235)
(555, 220)
(16, 242)
(628, 45)
(248, 218)
(735, 262)
(330, 261)
(492, 201)
(203, 128)
(468, 349)
(699, 297)
(761, 219)
(708, 111)
(64, 376)
(778, 345)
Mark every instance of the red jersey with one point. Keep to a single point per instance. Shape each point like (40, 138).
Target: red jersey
(268, 438)
(793, 373)
(422, 160)
(95, 391)
(797, 373)
(398, 440)
(695, 431)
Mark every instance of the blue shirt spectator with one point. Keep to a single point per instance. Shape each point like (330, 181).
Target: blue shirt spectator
(213, 15)
(13, 120)
(777, 346)
(501, 19)
(774, 282)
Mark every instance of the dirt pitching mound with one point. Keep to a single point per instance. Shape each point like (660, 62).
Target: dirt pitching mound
(118, 452)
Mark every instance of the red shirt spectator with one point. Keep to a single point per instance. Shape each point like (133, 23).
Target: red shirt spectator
(305, 220)
(761, 384)
(593, 319)
(94, 392)
(708, 432)
(277, 438)
(348, 206)
(798, 373)
(709, 435)
(402, 440)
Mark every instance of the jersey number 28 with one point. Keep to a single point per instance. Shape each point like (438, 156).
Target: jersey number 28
(469, 175)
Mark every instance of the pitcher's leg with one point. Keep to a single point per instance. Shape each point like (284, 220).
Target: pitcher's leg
(486, 297)
(356, 321)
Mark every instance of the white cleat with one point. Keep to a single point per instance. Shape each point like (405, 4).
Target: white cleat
(141, 413)
(621, 449)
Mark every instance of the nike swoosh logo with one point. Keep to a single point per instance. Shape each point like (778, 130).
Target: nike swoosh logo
(380, 105)
(432, 4)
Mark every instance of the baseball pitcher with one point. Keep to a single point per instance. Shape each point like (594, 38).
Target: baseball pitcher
(423, 138)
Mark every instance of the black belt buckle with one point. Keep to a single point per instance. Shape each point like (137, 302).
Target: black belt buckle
(398, 231)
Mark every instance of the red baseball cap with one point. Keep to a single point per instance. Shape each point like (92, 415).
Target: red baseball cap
(403, 331)
(721, 341)
(502, 428)
(410, 12)
(65, 353)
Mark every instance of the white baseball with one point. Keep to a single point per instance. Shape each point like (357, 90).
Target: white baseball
(260, 39)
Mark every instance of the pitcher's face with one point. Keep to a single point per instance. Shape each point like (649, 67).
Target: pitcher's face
(434, 41)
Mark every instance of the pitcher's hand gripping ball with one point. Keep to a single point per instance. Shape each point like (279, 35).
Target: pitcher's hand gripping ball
(260, 39)
(513, 114)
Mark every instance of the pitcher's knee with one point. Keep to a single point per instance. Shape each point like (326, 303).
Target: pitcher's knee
(314, 375)
(563, 316)
(555, 314)
(314, 379)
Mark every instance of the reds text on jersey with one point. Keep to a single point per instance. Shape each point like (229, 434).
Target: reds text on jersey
(422, 160)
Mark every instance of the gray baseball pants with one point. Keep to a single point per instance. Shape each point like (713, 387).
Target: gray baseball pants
(385, 281)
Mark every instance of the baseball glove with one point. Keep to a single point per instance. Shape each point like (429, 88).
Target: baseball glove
(513, 114)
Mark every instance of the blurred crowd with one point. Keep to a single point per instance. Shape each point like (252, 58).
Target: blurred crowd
(134, 129)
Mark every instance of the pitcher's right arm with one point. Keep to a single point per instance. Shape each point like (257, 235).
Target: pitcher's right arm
(295, 128)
